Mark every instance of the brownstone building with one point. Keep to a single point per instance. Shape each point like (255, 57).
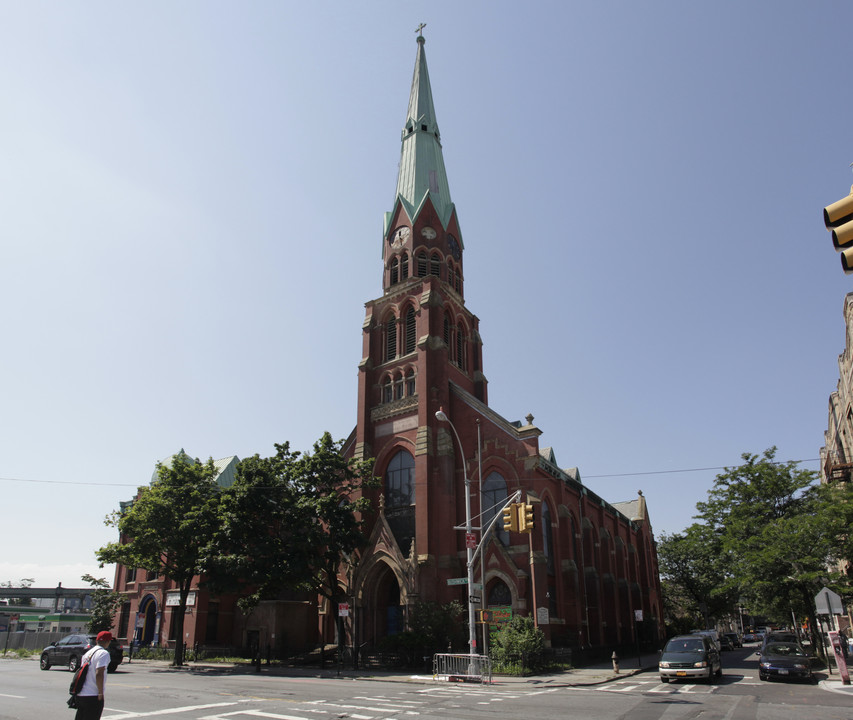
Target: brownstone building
(588, 572)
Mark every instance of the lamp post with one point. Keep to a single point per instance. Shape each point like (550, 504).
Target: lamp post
(472, 637)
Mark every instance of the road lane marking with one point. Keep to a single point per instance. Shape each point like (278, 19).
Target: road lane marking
(254, 713)
(125, 714)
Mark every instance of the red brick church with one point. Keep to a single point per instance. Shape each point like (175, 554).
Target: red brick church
(588, 573)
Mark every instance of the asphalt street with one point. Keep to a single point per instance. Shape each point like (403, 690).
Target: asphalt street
(215, 692)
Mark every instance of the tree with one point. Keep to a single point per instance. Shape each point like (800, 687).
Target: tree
(105, 603)
(287, 523)
(519, 639)
(780, 533)
(168, 527)
(694, 567)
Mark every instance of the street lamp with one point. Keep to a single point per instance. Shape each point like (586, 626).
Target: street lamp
(472, 636)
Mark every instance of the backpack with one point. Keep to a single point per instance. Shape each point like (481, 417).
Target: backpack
(79, 678)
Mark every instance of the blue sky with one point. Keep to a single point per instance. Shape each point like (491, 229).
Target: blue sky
(191, 202)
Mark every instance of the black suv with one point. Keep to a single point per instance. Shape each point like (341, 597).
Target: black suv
(71, 649)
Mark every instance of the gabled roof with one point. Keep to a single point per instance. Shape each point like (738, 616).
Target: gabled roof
(634, 509)
(225, 468)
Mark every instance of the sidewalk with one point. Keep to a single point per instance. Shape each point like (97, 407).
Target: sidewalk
(576, 677)
(591, 675)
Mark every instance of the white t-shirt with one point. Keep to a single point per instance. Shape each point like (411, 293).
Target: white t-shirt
(98, 657)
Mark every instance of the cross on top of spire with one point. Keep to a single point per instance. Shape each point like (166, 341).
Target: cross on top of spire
(420, 28)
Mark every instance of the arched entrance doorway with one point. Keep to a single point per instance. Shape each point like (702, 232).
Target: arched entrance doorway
(147, 621)
(383, 606)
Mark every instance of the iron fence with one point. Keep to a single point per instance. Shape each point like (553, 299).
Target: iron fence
(464, 668)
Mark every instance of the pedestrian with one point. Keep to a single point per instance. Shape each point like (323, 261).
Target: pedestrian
(90, 699)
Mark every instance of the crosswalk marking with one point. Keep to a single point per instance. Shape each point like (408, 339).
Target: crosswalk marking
(126, 715)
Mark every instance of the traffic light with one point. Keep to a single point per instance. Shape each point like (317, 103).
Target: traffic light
(511, 518)
(838, 219)
(525, 518)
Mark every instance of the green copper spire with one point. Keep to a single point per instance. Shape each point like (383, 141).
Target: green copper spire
(422, 171)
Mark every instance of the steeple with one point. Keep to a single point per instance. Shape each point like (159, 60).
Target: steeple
(422, 172)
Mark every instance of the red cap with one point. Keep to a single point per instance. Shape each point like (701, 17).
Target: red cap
(104, 635)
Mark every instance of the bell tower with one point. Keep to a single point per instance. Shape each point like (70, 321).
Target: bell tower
(418, 336)
(421, 345)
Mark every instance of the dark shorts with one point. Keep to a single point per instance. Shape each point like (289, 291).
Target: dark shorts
(89, 707)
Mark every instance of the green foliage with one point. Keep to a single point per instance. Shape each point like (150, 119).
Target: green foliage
(440, 626)
(695, 569)
(287, 522)
(768, 533)
(519, 640)
(433, 628)
(168, 526)
(105, 603)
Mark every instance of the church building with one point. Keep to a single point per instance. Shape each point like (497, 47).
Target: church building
(588, 572)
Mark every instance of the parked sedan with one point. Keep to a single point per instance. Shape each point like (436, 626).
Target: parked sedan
(782, 636)
(70, 650)
(784, 661)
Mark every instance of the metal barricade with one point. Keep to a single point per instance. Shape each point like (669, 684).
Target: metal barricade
(462, 668)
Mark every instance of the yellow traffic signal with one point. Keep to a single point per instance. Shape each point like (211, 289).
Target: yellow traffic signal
(511, 518)
(525, 518)
(838, 219)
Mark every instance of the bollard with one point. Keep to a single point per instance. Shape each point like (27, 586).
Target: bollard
(615, 658)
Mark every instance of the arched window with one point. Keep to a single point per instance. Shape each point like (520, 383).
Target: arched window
(421, 261)
(547, 537)
(404, 267)
(395, 271)
(454, 276)
(574, 531)
(391, 339)
(400, 499)
(492, 497)
(460, 347)
(387, 390)
(398, 387)
(499, 595)
(435, 265)
(411, 331)
(400, 481)
(410, 383)
(447, 334)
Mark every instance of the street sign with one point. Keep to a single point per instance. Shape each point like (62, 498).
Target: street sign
(471, 541)
(474, 599)
(457, 581)
(476, 586)
(343, 609)
(828, 603)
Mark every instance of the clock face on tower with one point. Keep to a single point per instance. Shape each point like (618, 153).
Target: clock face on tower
(400, 236)
(453, 244)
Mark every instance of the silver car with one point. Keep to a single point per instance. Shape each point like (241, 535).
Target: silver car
(690, 657)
